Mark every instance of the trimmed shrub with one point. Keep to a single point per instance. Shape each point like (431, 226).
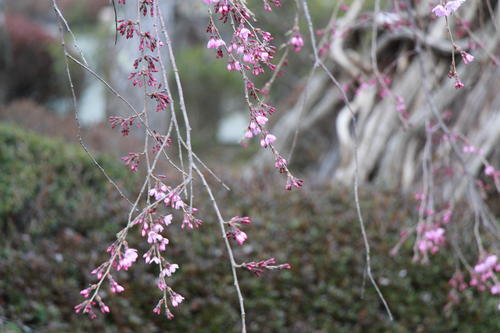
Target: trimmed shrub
(44, 265)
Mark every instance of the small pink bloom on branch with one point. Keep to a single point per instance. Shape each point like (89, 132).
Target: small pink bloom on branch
(439, 11)
(240, 236)
(157, 193)
(469, 149)
(129, 257)
(175, 298)
(154, 237)
(448, 8)
(148, 41)
(169, 270)
(157, 308)
(261, 120)
(297, 42)
(401, 107)
(238, 219)
(127, 28)
(495, 289)
(267, 140)
(86, 292)
(167, 220)
(489, 170)
(161, 285)
(486, 265)
(86, 306)
(452, 6)
(447, 216)
(258, 267)
(215, 43)
(234, 65)
(466, 57)
(162, 246)
(190, 222)
(432, 240)
(104, 308)
(149, 257)
(115, 287)
(458, 83)
(99, 271)
(280, 164)
(144, 7)
(162, 100)
(174, 200)
(248, 134)
(293, 182)
(243, 33)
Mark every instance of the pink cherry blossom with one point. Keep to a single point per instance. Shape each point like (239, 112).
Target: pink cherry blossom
(104, 308)
(161, 285)
(458, 83)
(243, 33)
(267, 140)
(439, 11)
(261, 120)
(86, 292)
(215, 43)
(452, 6)
(297, 42)
(115, 287)
(129, 257)
(176, 298)
(167, 220)
(169, 270)
(489, 170)
(448, 8)
(466, 57)
(240, 236)
(495, 289)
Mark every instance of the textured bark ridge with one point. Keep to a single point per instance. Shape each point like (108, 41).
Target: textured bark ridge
(391, 147)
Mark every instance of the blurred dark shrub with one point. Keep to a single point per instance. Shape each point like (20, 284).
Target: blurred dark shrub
(33, 64)
(316, 231)
(45, 184)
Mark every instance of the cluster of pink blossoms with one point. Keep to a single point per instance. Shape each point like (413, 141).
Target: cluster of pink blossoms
(235, 231)
(445, 10)
(249, 51)
(448, 8)
(484, 276)
(172, 199)
(432, 240)
(297, 42)
(431, 231)
(125, 123)
(258, 267)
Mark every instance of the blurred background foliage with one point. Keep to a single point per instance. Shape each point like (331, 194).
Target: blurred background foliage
(58, 212)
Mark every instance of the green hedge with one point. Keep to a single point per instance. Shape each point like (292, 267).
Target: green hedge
(45, 184)
(316, 231)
